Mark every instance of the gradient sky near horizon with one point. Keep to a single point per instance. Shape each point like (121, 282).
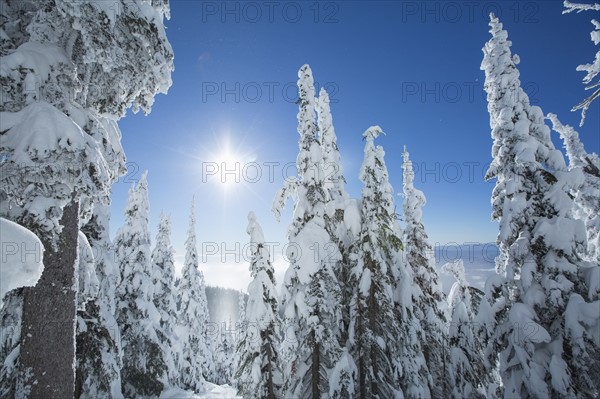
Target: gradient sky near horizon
(411, 67)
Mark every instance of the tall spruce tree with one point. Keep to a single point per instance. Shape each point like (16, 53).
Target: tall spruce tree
(428, 299)
(374, 329)
(163, 279)
(258, 372)
(539, 319)
(337, 200)
(192, 310)
(310, 291)
(144, 371)
(241, 329)
(467, 373)
(98, 373)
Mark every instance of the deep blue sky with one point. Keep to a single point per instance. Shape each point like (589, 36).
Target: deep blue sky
(410, 67)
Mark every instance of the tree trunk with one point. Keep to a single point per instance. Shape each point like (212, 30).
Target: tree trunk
(46, 369)
(316, 368)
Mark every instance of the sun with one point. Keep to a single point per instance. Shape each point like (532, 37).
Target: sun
(229, 166)
(225, 166)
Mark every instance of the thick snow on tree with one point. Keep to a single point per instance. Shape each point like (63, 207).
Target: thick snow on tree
(428, 299)
(21, 266)
(98, 373)
(22, 257)
(63, 89)
(144, 370)
(163, 278)
(592, 77)
(539, 242)
(242, 298)
(374, 329)
(587, 197)
(87, 278)
(11, 316)
(224, 355)
(69, 71)
(192, 310)
(241, 329)
(337, 201)
(466, 369)
(310, 291)
(258, 371)
(333, 173)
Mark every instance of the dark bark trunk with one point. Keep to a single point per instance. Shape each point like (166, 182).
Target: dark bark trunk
(49, 315)
(316, 367)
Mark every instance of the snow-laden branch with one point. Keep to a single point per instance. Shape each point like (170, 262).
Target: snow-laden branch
(592, 69)
(579, 7)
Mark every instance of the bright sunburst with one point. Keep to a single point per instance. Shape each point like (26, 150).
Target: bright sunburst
(229, 166)
(226, 167)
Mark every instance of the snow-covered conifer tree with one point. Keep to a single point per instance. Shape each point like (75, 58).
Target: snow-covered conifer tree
(428, 297)
(374, 329)
(334, 181)
(98, 373)
(466, 369)
(587, 198)
(144, 371)
(63, 89)
(224, 355)
(539, 319)
(163, 278)
(592, 70)
(240, 327)
(258, 371)
(11, 315)
(192, 317)
(241, 311)
(310, 291)
(337, 200)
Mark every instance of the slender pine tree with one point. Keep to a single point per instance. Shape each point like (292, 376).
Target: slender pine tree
(163, 278)
(192, 316)
(428, 309)
(373, 326)
(310, 291)
(258, 372)
(144, 370)
(98, 373)
(539, 319)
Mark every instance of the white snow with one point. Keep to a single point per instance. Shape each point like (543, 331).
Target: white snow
(33, 56)
(22, 257)
(212, 392)
(352, 217)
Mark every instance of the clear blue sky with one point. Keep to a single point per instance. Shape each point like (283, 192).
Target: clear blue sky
(410, 67)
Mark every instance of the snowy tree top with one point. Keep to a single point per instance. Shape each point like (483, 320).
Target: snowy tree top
(306, 99)
(373, 132)
(254, 230)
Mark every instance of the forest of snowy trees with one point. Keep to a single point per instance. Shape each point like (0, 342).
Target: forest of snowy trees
(360, 313)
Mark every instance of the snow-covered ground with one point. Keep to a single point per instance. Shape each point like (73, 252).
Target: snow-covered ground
(212, 392)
